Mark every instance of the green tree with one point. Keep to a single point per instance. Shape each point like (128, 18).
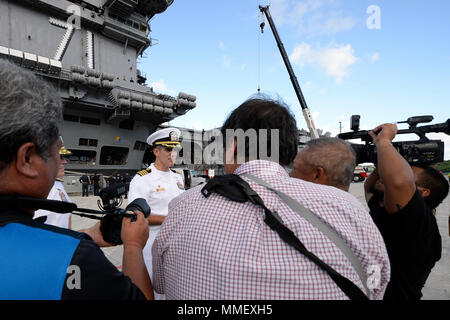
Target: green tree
(444, 166)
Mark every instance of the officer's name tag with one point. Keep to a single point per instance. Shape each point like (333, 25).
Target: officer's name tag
(159, 189)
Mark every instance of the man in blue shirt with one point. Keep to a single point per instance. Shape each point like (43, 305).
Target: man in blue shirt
(39, 261)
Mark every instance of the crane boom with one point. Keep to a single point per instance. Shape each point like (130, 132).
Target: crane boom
(298, 91)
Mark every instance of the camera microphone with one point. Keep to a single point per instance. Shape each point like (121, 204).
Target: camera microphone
(114, 191)
(35, 203)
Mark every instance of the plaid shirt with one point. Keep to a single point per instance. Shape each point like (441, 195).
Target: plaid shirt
(214, 248)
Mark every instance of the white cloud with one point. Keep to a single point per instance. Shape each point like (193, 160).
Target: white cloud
(226, 61)
(375, 57)
(335, 24)
(315, 115)
(308, 86)
(161, 86)
(311, 17)
(221, 45)
(278, 10)
(302, 54)
(294, 12)
(335, 60)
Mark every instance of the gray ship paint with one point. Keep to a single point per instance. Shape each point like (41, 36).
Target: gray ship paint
(88, 50)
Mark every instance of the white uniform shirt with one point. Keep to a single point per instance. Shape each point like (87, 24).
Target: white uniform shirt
(158, 188)
(56, 219)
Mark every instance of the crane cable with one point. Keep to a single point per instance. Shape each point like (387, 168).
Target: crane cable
(262, 24)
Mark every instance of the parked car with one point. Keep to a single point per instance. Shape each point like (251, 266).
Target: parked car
(191, 178)
(360, 174)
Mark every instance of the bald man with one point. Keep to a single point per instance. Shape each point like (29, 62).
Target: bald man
(327, 161)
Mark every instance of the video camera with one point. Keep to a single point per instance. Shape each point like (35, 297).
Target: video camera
(111, 200)
(110, 222)
(420, 152)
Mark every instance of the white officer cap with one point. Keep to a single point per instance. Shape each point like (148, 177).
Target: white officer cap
(168, 137)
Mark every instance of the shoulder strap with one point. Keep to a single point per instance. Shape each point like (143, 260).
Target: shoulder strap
(313, 219)
(235, 188)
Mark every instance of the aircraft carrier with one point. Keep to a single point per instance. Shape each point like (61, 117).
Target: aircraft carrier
(89, 50)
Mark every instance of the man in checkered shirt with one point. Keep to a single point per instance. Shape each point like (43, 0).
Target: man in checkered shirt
(214, 248)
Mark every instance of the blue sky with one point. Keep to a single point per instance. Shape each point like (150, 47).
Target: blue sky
(214, 50)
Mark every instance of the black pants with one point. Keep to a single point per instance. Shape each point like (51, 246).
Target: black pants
(85, 187)
(96, 187)
(128, 187)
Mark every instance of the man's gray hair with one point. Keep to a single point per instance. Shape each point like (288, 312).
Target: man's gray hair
(30, 111)
(335, 156)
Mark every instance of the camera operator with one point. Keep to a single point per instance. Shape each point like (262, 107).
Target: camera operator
(401, 199)
(39, 261)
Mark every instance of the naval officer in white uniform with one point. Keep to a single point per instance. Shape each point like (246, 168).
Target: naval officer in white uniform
(57, 193)
(158, 184)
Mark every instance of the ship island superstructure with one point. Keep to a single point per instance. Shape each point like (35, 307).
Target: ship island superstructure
(89, 49)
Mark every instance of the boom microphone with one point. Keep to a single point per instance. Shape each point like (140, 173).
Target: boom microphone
(114, 191)
(35, 203)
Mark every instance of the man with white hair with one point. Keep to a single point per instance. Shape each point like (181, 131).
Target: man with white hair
(327, 161)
